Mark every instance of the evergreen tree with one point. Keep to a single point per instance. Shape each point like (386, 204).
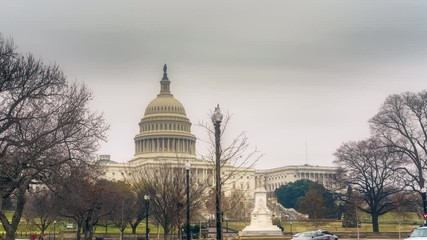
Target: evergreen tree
(349, 215)
(290, 194)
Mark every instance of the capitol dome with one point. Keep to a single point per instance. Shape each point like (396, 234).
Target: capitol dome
(165, 104)
(165, 130)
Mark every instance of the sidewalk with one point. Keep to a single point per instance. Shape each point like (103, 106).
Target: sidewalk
(364, 238)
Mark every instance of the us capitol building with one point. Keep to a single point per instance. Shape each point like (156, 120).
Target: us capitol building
(165, 136)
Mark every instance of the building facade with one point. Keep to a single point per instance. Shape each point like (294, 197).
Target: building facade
(276, 177)
(165, 137)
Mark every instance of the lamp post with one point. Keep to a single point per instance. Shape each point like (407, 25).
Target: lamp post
(423, 196)
(187, 170)
(54, 230)
(216, 120)
(147, 202)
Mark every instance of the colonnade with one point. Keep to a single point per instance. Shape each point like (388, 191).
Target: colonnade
(272, 182)
(164, 145)
(315, 176)
(165, 127)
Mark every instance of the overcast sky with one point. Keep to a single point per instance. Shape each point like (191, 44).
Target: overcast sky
(290, 72)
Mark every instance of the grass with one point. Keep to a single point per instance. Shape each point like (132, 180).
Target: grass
(60, 227)
(390, 222)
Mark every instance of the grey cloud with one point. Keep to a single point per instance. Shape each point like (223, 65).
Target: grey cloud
(290, 54)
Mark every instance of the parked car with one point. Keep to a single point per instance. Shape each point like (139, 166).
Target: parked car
(329, 234)
(69, 226)
(418, 234)
(296, 235)
(315, 235)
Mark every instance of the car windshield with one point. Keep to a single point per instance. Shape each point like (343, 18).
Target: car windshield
(420, 232)
(306, 234)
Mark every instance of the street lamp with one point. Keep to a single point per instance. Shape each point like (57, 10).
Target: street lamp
(187, 170)
(423, 196)
(147, 202)
(54, 230)
(216, 120)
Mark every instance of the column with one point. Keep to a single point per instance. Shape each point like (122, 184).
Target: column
(163, 144)
(174, 144)
(157, 145)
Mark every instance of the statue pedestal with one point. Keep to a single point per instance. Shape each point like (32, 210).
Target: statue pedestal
(261, 224)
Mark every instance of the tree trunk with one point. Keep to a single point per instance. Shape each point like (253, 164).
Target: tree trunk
(88, 234)
(10, 235)
(134, 226)
(11, 228)
(375, 225)
(88, 230)
(315, 219)
(166, 233)
(88, 226)
(79, 228)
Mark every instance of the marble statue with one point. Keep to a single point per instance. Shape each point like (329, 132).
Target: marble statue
(261, 223)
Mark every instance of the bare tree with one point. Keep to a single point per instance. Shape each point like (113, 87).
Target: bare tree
(403, 207)
(133, 198)
(87, 200)
(370, 169)
(45, 127)
(236, 155)
(165, 184)
(313, 204)
(41, 209)
(125, 202)
(401, 124)
(138, 213)
(235, 205)
(236, 159)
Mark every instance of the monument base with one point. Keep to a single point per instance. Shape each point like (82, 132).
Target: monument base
(270, 232)
(261, 224)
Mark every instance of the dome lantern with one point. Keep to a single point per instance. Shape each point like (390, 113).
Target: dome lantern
(165, 83)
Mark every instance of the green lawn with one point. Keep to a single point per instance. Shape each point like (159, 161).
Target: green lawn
(390, 222)
(60, 226)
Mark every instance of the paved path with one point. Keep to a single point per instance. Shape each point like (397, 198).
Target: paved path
(372, 238)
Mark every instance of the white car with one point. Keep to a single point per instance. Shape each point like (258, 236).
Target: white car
(329, 235)
(315, 235)
(418, 234)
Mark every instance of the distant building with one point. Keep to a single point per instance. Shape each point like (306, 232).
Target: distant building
(165, 137)
(276, 177)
